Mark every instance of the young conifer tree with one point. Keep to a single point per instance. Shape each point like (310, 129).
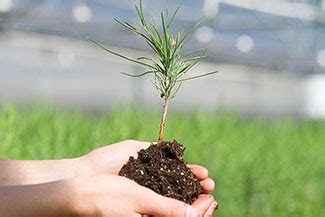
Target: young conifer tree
(171, 65)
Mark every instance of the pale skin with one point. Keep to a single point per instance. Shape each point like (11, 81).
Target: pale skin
(90, 186)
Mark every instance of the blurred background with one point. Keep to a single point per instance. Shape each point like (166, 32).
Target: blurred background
(261, 117)
(270, 54)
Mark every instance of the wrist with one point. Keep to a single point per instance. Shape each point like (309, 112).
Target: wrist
(81, 202)
(83, 165)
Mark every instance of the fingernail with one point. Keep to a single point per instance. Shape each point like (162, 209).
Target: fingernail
(192, 212)
(217, 206)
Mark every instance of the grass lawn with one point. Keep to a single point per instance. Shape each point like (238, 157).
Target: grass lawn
(261, 168)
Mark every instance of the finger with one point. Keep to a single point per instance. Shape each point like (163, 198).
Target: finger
(199, 171)
(208, 185)
(203, 203)
(211, 209)
(151, 203)
(134, 145)
(141, 144)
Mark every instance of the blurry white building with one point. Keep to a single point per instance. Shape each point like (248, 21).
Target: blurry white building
(270, 55)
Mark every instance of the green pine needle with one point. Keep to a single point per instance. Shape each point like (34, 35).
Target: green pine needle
(170, 66)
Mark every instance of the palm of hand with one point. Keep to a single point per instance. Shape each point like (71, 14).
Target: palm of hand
(110, 159)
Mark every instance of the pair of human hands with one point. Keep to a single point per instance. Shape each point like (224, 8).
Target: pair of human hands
(100, 191)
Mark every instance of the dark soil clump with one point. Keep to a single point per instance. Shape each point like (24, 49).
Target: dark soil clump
(162, 169)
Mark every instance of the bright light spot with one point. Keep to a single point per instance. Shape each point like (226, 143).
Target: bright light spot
(321, 58)
(211, 8)
(81, 13)
(6, 5)
(245, 43)
(66, 58)
(204, 34)
(315, 96)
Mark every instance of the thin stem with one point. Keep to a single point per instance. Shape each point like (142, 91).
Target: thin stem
(163, 121)
(170, 65)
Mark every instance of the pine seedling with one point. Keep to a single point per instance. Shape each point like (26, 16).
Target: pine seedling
(170, 66)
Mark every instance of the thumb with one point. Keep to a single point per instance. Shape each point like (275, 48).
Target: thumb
(154, 204)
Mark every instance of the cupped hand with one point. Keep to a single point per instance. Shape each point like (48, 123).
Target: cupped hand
(112, 195)
(111, 158)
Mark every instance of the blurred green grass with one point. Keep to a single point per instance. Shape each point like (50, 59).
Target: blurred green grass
(261, 168)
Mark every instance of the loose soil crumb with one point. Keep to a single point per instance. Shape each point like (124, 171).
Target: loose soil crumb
(162, 169)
